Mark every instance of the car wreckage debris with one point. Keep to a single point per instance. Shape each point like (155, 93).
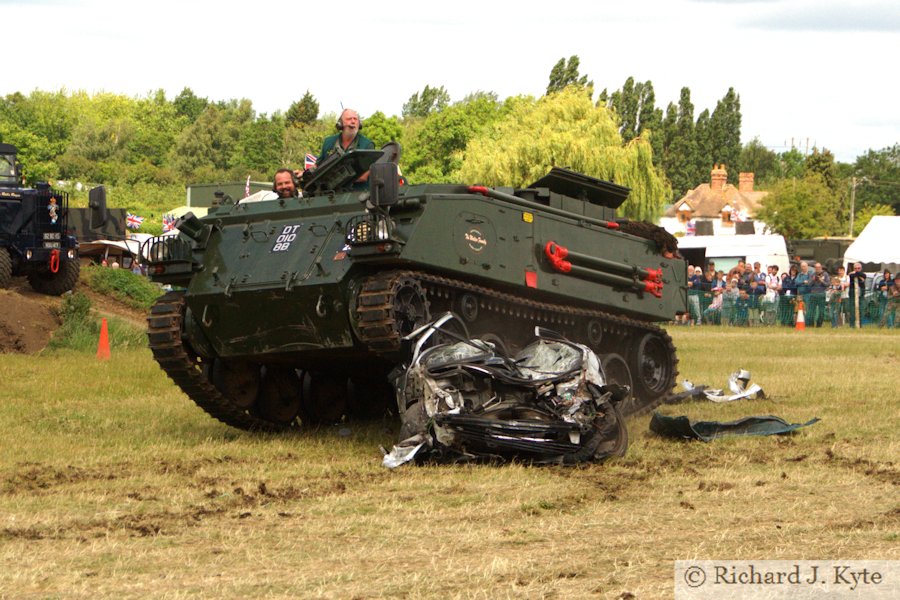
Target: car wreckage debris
(738, 383)
(463, 399)
(682, 427)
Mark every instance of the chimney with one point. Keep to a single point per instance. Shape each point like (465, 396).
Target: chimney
(718, 177)
(745, 182)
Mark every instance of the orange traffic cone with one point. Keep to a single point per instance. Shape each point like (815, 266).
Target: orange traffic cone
(801, 322)
(103, 345)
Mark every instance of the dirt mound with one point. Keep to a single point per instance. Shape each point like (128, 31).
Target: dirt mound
(107, 306)
(28, 319)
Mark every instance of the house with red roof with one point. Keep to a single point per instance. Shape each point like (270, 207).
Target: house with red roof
(717, 207)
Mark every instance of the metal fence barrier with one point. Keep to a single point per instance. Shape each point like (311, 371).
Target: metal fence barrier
(876, 309)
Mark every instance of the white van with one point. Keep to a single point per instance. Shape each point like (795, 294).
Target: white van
(727, 250)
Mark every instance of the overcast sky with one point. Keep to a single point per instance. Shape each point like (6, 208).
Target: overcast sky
(820, 72)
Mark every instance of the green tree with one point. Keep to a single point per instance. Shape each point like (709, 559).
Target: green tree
(862, 218)
(791, 164)
(481, 96)
(156, 127)
(759, 160)
(258, 147)
(436, 144)
(47, 115)
(650, 119)
(635, 105)
(565, 128)
(431, 100)
(724, 143)
(802, 208)
(40, 125)
(822, 163)
(563, 74)
(303, 112)
(298, 141)
(681, 156)
(208, 148)
(188, 105)
(99, 148)
(878, 173)
(703, 139)
(382, 129)
(625, 104)
(666, 137)
(603, 99)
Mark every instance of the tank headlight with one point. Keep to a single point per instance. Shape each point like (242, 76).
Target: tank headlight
(28, 254)
(382, 230)
(71, 254)
(363, 231)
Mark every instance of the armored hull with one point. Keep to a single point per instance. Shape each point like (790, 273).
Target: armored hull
(294, 310)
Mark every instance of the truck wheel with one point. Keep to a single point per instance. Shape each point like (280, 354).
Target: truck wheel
(55, 284)
(5, 268)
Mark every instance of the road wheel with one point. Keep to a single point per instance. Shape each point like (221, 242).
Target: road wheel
(500, 346)
(410, 310)
(326, 400)
(371, 398)
(653, 371)
(280, 395)
(239, 381)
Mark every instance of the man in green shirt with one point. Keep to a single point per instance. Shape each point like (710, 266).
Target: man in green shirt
(349, 137)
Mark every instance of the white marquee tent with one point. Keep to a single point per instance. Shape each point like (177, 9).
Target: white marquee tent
(877, 247)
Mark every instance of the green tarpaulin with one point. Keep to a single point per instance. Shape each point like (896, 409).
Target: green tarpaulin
(682, 427)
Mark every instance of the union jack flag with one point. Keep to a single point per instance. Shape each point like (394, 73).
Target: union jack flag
(133, 221)
(738, 216)
(691, 228)
(309, 162)
(168, 222)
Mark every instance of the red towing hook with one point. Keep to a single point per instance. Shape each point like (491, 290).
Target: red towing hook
(556, 254)
(54, 261)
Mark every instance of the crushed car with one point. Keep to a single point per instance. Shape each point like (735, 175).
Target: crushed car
(464, 399)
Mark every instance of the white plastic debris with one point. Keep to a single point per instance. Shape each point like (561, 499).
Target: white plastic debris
(737, 384)
(402, 454)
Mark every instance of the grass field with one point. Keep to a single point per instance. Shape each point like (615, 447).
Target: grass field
(112, 484)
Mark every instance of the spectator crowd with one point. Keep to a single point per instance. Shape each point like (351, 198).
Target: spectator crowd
(747, 296)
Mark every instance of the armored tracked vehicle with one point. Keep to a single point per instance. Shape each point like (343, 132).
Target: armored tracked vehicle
(294, 310)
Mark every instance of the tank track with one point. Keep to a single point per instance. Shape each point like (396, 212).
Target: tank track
(380, 326)
(186, 369)
(380, 331)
